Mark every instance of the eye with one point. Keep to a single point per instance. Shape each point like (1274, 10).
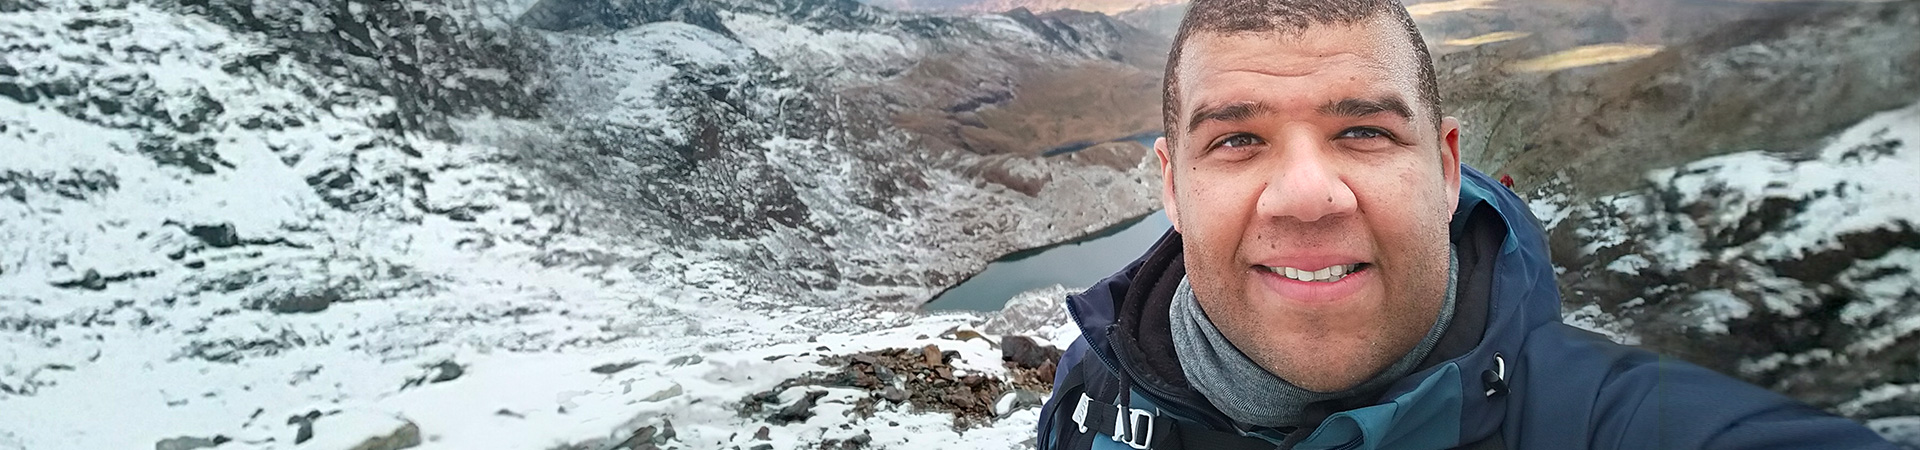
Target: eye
(1238, 141)
(1364, 133)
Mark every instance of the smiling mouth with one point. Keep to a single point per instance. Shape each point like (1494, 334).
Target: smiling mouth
(1327, 274)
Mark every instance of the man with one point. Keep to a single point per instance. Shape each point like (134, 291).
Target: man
(1336, 279)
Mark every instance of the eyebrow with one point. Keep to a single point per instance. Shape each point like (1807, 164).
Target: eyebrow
(1348, 107)
(1232, 112)
(1359, 107)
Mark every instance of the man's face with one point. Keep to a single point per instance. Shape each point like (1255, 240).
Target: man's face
(1314, 193)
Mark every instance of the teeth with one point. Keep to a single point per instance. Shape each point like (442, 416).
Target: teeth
(1329, 274)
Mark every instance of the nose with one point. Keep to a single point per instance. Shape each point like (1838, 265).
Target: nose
(1305, 184)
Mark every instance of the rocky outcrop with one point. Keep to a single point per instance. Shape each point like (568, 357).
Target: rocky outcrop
(923, 378)
(1794, 271)
(606, 15)
(434, 59)
(790, 128)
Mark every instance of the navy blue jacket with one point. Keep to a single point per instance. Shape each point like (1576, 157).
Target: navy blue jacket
(1506, 374)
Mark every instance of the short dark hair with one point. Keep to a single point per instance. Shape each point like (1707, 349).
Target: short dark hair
(1287, 16)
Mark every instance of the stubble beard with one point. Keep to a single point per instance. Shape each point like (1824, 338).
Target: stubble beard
(1413, 296)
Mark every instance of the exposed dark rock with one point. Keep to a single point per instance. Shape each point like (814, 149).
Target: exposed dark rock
(641, 439)
(197, 155)
(799, 411)
(446, 371)
(91, 280)
(764, 434)
(216, 236)
(304, 426)
(15, 91)
(666, 433)
(608, 15)
(1024, 353)
(306, 301)
(612, 368)
(190, 442)
(404, 437)
(1822, 266)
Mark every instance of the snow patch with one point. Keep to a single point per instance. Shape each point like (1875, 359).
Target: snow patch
(1712, 309)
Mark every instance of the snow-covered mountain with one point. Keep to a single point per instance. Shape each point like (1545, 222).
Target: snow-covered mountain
(307, 224)
(1797, 271)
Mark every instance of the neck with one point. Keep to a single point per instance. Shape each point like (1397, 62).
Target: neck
(1250, 394)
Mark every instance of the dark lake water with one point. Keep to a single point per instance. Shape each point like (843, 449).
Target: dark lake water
(1145, 138)
(1076, 264)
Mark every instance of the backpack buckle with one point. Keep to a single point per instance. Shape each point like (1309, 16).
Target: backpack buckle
(1125, 418)
(1080, 412)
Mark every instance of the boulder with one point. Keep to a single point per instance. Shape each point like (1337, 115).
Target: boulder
(799, 411)
(1024, 353)
(216, 236)
(361, 430)
(190, 443)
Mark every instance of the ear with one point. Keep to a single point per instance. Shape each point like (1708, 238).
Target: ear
(1450, 160)
(1167, 199)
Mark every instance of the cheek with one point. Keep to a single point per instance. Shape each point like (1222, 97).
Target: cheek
(1214, 217)
(1420, 187)
(1409, 204)
(1213, 208)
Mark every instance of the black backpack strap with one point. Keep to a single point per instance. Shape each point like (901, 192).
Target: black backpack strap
(1071, 385)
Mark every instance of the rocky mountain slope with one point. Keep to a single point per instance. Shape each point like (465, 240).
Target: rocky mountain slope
(451, 224)
(1796, 271)
(1702, 78)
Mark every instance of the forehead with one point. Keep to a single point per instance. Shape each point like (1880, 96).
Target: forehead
(1325, 60)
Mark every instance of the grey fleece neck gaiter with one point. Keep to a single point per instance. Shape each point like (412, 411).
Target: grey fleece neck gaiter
(1249, 393)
